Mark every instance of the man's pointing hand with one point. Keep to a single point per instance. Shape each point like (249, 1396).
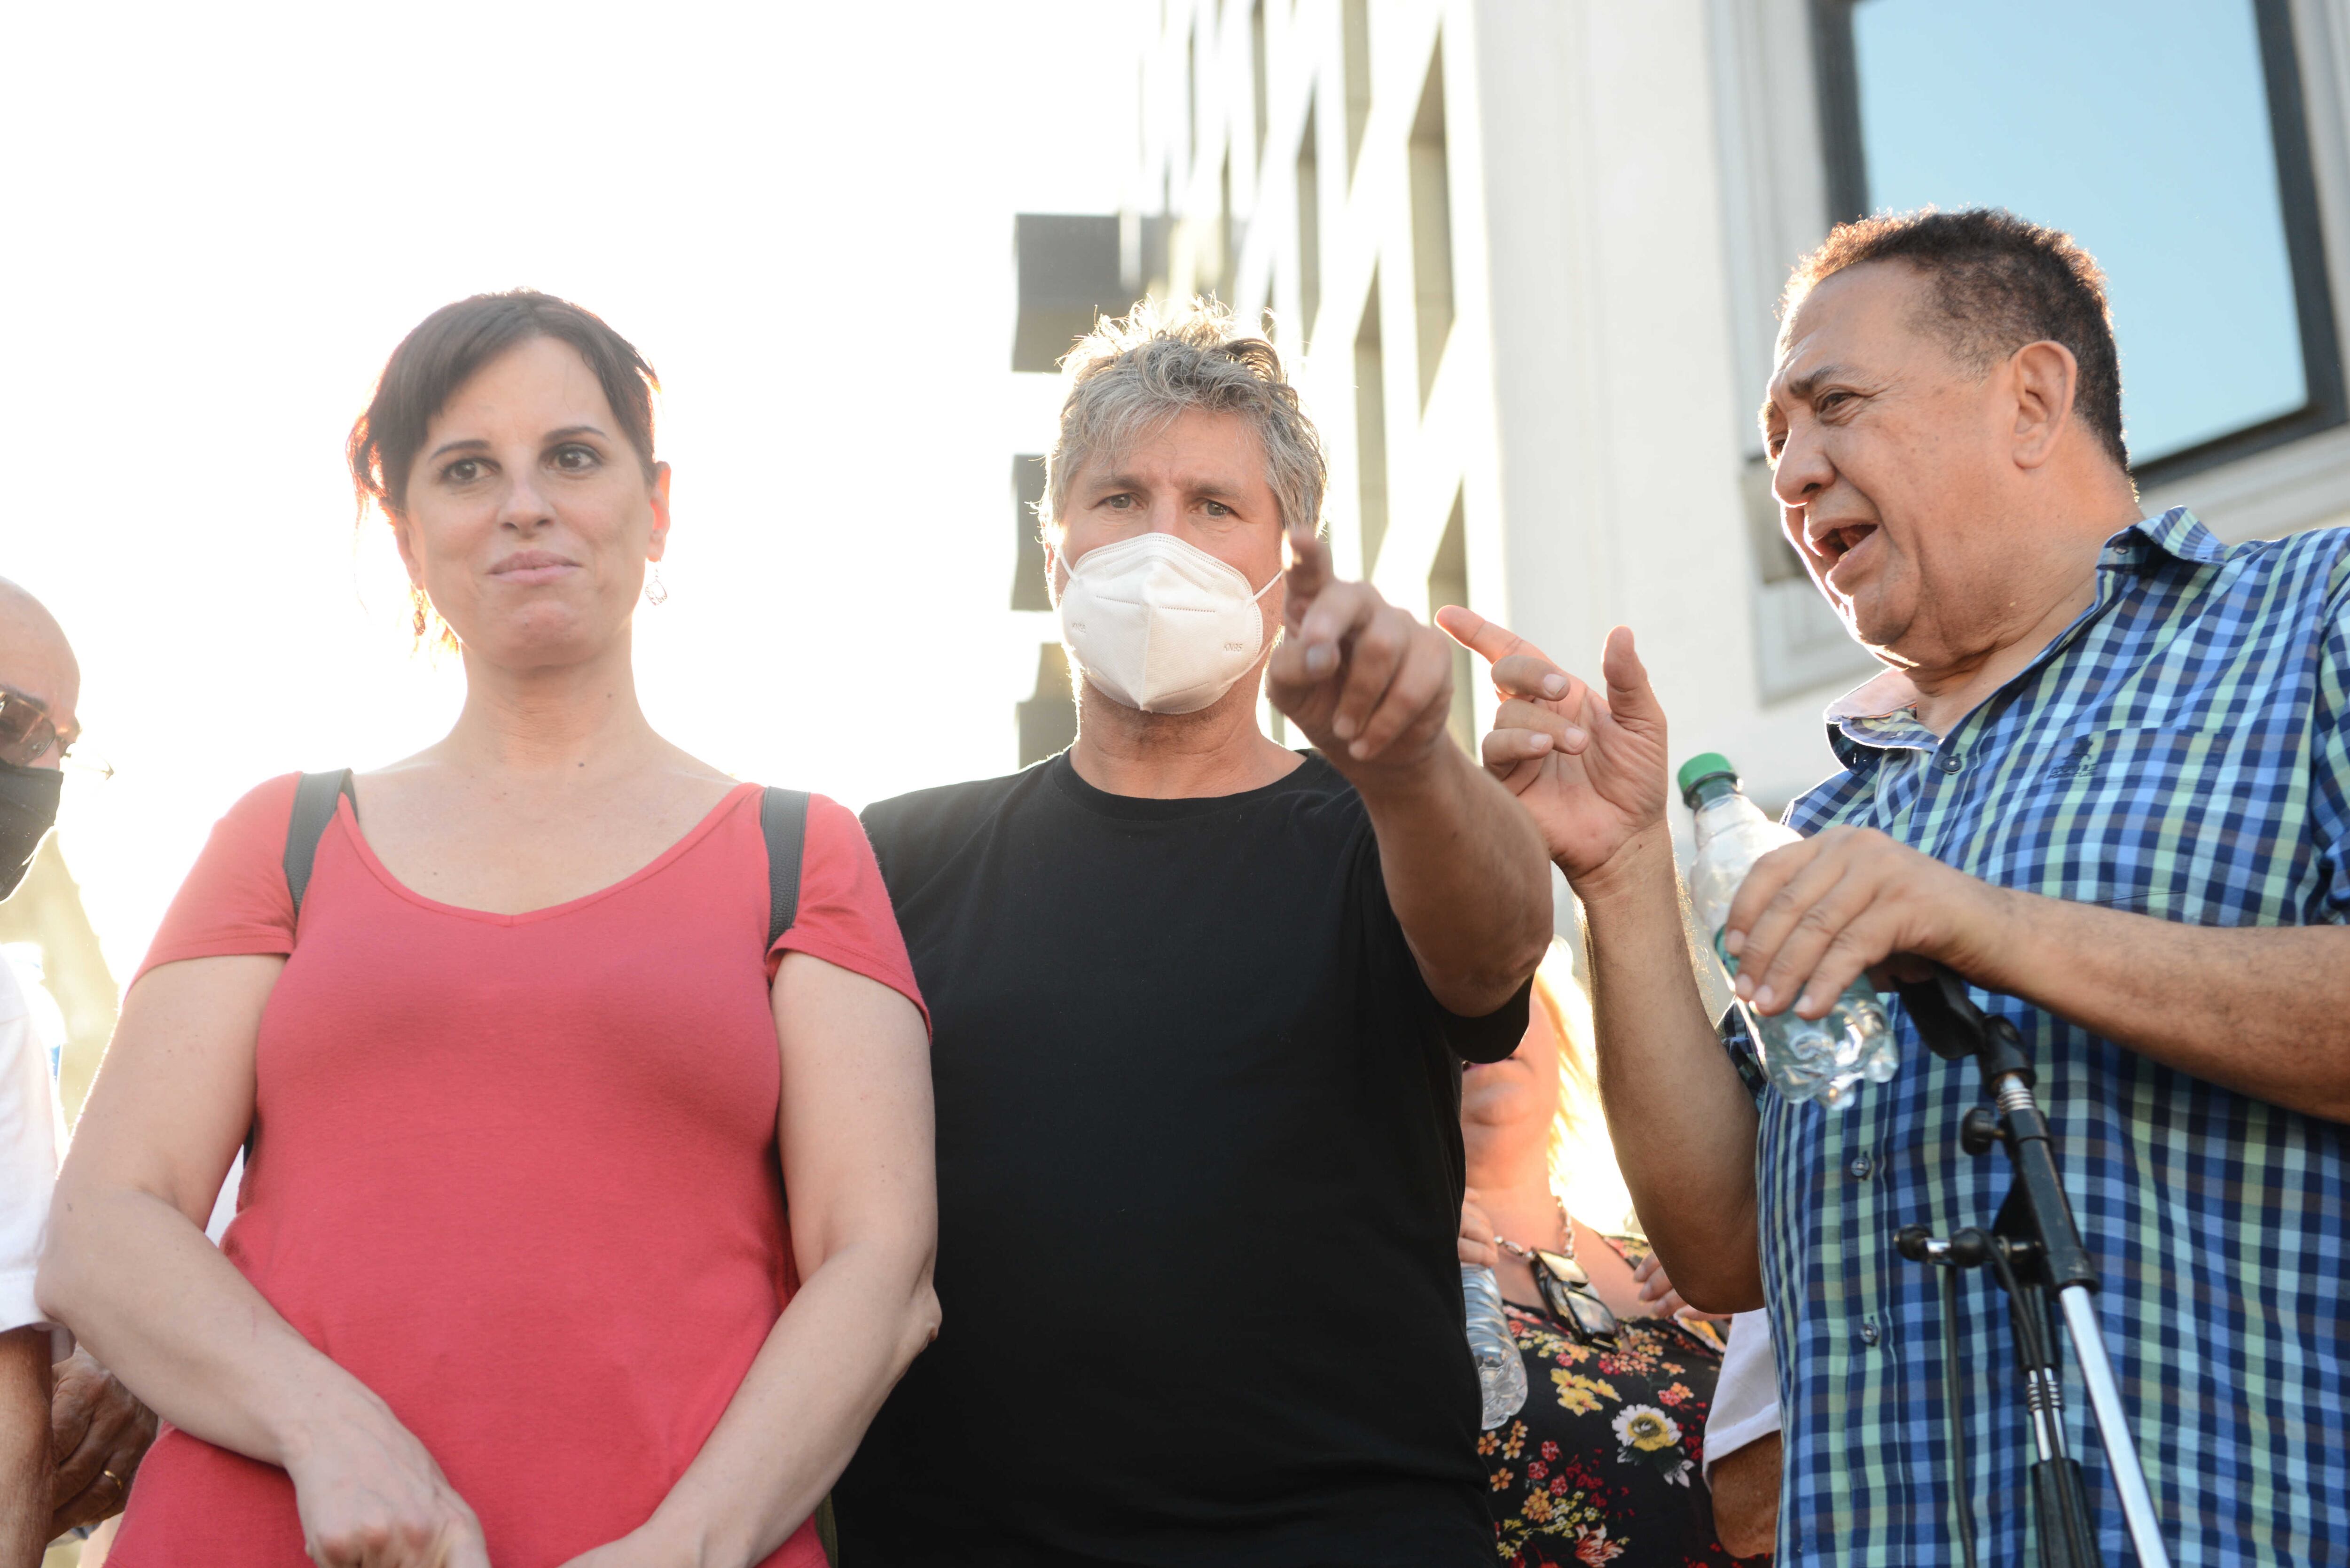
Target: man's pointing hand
(1366, 683)
(1590, 769)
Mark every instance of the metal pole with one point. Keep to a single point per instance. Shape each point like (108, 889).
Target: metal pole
(2113, 1426)
(1954, 1029)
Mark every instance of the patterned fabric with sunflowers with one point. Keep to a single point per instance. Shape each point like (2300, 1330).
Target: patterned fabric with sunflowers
(1604, 1464)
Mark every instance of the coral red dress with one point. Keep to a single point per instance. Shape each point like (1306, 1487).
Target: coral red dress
(518, 1174)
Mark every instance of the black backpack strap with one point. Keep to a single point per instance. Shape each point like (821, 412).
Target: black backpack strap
(782, 818)
(314, 807)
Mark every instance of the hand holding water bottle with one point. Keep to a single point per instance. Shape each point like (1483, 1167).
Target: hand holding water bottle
(1500, 1370)
(1818, 914)
(1817, 923)
(1805, 1058)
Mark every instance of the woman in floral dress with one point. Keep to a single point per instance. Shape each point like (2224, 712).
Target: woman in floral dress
(1605, 1462)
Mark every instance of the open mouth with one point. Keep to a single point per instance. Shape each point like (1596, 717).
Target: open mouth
(1834, 545)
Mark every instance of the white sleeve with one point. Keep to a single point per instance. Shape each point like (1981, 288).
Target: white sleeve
(1746, 1394)
(225, 1205)
(31, 1134)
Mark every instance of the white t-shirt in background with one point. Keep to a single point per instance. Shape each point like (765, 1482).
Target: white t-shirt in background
(1745, 1393)
(32, 1135)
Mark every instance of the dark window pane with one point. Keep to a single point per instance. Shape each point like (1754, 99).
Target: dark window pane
(1029, 591)
(2142, 128)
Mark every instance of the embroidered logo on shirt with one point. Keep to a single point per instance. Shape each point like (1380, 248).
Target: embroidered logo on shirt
(2075, 763)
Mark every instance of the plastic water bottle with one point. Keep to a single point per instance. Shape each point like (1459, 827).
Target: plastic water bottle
(1803, 1059)
(1501, 1372)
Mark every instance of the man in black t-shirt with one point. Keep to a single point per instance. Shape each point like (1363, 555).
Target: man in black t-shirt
(1200, 1004)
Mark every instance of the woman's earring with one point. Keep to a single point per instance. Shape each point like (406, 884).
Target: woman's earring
(656, 591)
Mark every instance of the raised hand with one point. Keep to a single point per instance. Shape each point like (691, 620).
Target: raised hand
(1590, 769)
(1369, 685)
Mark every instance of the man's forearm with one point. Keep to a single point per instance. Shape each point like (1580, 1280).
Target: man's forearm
(1682, 1119)
(2264, 1010)
(23, 1446)
(1466, 874)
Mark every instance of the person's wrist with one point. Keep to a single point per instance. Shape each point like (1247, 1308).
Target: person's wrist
(686, 1534)
(1999, 940)
(315, 1425)
(1631, 874)
(1406, 767)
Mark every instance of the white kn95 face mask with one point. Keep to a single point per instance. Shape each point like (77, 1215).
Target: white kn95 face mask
(1160, 625)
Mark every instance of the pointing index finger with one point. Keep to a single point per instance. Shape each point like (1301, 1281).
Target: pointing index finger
(1489, 639)
(1520, 668)
(1309, 568)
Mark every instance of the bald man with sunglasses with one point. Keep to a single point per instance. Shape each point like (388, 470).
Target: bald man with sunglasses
(70, 1435)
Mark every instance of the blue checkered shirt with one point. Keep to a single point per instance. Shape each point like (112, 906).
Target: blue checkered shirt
(2179, 752)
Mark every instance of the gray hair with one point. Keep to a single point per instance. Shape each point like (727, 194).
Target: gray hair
(1132, 375)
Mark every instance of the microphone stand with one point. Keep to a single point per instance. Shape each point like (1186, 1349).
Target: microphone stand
(2032, 1248)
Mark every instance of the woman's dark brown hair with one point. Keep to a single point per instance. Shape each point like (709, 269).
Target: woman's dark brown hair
(442, 354)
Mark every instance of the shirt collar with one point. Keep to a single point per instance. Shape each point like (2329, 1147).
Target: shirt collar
(1876, 715)
(1881, 712)
(2176, 532)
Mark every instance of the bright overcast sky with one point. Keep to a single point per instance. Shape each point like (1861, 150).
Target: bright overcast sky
(222, 219)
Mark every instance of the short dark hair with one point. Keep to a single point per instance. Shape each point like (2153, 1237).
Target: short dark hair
(445, 350)
(1999, 282)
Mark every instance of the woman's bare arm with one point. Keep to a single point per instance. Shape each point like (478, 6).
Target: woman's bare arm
(128, 1270)
(858, 1163)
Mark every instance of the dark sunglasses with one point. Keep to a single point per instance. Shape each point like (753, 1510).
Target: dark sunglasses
(1566, 1290)
(27, 730)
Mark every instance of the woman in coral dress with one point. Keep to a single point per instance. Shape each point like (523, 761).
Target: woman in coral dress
(512, 1277)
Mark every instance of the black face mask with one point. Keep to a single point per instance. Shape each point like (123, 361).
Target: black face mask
(28, 807)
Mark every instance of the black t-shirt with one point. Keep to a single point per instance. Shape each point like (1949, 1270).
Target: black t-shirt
(1193, 1092)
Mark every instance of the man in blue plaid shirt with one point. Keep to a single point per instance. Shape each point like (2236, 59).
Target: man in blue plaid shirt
(2106, 778)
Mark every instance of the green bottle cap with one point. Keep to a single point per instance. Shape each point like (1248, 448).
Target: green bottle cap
(1698, 769)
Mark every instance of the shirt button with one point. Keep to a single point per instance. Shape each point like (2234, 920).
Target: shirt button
(1949, 761)
(1868, 1333)
(1860, 1167)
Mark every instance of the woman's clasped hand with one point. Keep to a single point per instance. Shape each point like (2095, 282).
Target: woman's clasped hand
(371, 1497)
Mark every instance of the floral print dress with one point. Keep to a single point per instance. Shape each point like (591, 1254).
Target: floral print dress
(1604, 1463)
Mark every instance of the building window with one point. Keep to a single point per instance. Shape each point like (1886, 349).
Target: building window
(1257, 77)
(1069, 268)
(1028, 587)
(1309, 226)
(1431, 226)
(1372, 431)
(1355, 57)
(1047, 721)
(1192, 97)
(2170, 141)
(1448, 584)
(1228, 240)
